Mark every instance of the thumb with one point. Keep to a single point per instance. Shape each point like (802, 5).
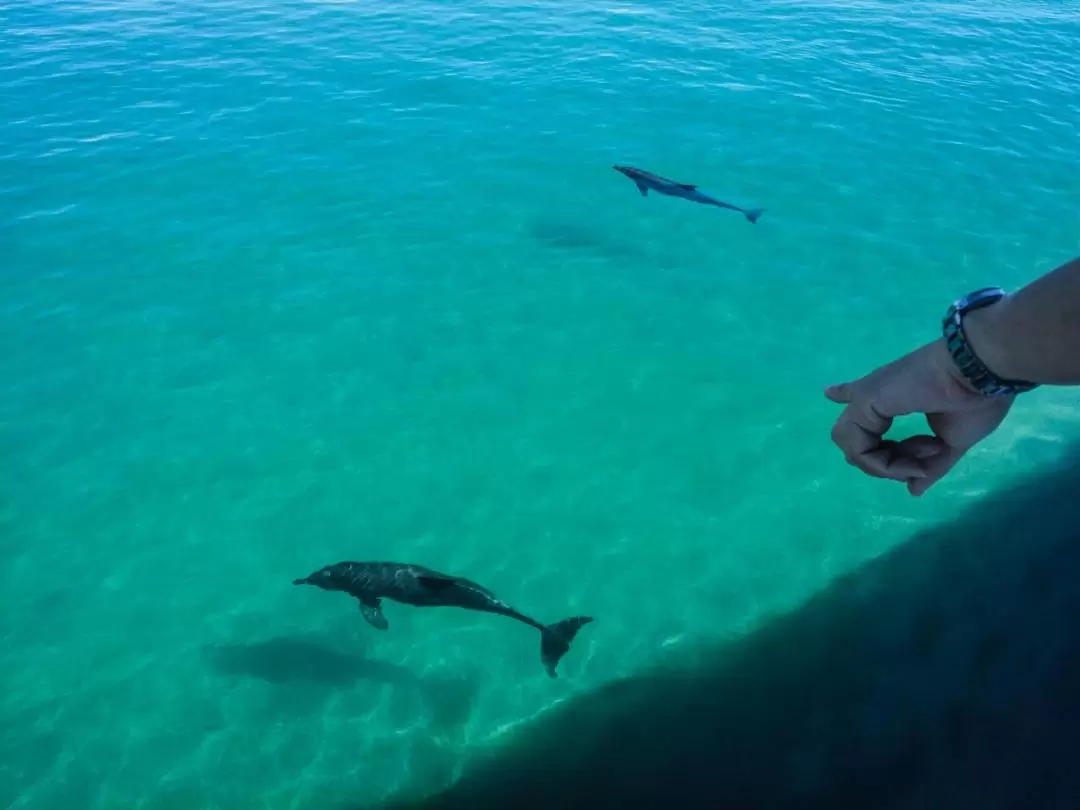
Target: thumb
(936, 467)
(840, 393)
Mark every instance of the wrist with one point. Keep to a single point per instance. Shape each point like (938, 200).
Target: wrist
(947, 366)
(987, 332)
(978, 332)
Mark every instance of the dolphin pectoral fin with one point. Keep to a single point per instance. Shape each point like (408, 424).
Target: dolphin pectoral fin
(436, 583)
(644, 189)
(372, 612)
(687, 187)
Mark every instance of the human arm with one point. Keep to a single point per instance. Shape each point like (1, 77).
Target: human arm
(1034, 336)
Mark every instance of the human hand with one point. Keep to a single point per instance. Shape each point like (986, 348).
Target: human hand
(925, 381)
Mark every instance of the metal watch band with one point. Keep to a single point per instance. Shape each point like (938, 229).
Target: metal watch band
(982, 379)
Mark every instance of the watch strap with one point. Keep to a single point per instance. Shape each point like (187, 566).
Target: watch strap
(974, 370)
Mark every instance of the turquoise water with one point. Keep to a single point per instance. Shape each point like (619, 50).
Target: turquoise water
(284, 284)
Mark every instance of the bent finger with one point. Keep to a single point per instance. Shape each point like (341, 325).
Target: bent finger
(840, 393)
(859, 429)
(921, 447)
(936, 469)
(886, 462)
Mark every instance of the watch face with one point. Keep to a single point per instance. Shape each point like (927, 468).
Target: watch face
(981, 298)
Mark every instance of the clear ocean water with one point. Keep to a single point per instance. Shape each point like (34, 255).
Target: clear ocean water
(296, 282)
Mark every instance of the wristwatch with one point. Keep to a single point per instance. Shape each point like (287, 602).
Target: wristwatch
(981, 378)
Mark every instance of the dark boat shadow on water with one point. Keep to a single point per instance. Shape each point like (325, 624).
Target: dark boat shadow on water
(945, 674)
(315, 664)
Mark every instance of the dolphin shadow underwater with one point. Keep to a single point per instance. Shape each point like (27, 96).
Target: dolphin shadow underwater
(566, 234)
(300, 659)
(312, 662)
(371, 582)
(944, 673)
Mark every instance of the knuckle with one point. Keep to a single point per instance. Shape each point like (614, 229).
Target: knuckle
(837, 433)
(871, 471)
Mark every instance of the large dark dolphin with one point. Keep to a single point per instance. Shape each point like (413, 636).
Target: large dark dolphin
(371, 582)
(661, 185)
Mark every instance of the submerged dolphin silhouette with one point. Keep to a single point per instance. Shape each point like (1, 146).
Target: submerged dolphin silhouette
(371, 582)
(661, 185)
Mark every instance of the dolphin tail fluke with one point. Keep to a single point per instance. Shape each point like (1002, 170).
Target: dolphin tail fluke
(753, 214)
(555, 640)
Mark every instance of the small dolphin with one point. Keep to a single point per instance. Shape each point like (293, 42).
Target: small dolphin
(661, 185)
(371, 582)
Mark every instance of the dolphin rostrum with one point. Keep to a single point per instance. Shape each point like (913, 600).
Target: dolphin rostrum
(646, 181)
(371, 582)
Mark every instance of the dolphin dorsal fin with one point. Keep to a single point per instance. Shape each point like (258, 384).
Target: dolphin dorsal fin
(434, 582)
(687, 186)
